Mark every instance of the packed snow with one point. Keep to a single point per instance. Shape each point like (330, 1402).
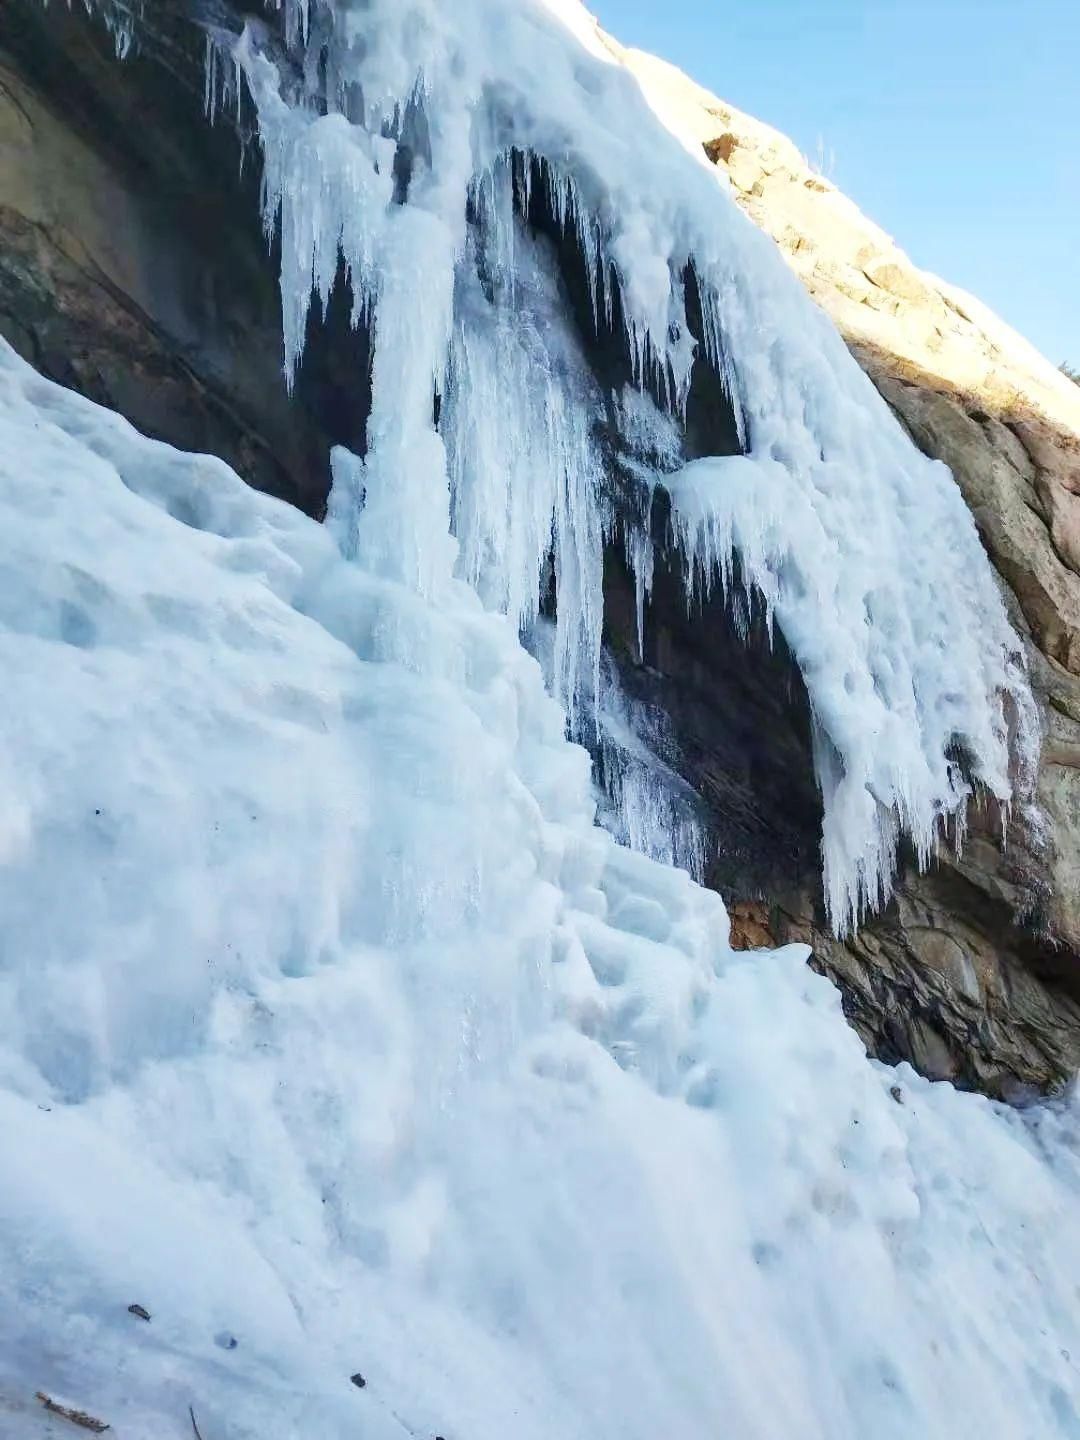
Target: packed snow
(335, 1034)
(334, 1030)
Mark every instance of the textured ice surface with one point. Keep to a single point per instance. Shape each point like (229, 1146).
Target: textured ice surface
(330, 1023)
(645, 803)
(411, 139)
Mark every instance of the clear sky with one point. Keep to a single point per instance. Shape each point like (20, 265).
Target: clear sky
(955, 124)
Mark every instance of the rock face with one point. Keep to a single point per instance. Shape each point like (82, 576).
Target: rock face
(131, 264)
(974, 971)
(132, 268)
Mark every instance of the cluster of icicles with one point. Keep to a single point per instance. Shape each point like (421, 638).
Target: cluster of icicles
(121, 18)
(445, 159)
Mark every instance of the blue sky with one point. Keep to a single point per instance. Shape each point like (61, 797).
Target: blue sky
(955, 124)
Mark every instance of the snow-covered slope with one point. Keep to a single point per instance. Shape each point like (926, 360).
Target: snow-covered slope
(333, 1030)
(332, 1026)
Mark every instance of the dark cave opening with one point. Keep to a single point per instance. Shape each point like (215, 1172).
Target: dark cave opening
(740, 717)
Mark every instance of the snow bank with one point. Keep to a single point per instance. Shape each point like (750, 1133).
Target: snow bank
(334, 1033)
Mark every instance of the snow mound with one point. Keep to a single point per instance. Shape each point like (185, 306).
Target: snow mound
(335, 1034)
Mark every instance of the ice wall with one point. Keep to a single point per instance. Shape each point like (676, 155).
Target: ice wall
(411, 140)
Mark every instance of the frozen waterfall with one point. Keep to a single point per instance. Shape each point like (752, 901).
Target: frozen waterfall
(470, 165)
(334, 1031)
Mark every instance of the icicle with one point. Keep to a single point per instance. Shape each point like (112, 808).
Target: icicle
(526, 475)
(832, 518)
(646, 805)
(210, 80)
(119, 18)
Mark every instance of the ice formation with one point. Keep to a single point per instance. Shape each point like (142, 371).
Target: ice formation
(449, 157)
(646, 804)
(333, 1030)
(336, 1034)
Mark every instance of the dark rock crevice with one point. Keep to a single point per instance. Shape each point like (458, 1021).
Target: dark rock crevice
(740, 718)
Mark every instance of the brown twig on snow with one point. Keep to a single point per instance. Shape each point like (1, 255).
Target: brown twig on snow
(77, 1417)
(194, 1427)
